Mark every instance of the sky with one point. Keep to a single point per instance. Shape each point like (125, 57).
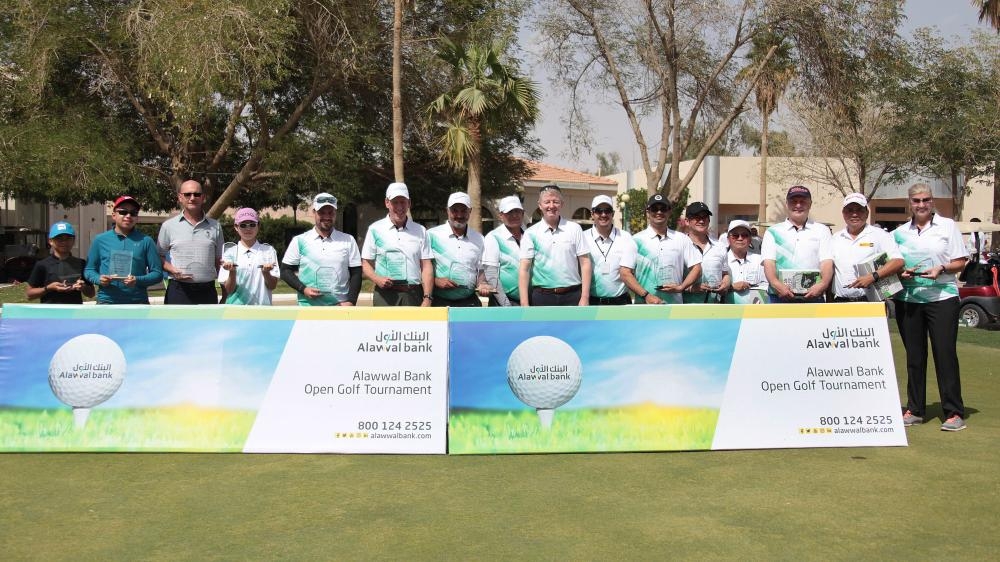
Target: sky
(953, 18)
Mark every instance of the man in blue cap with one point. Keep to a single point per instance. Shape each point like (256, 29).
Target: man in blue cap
(58, 278)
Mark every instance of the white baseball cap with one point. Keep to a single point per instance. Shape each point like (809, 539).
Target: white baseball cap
(734, 224)
(397, 189)
(602, 200)
(322, 200)
(509, 203)
(459, 198)
(858, 198)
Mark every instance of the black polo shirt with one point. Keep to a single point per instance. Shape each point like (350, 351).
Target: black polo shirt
(52, 269)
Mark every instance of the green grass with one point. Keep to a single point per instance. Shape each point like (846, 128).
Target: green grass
(177, 428)
(937, 498)
(640, 428)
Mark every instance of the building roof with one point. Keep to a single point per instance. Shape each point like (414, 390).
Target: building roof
(548, 173)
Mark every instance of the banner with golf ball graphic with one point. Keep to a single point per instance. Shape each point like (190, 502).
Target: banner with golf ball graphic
(223, 379)
(691, 377)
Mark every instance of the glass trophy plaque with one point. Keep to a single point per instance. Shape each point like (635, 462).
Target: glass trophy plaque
(665, 275)
(195, 261)
(711, 274)
(326, 279)
(394, 265)
(120, 264)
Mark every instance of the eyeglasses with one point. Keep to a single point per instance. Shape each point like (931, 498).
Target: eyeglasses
(921, 200)
(604, 211)
(738, 235)
(658, 209)
(126, 213)
(192, 194)
(247, 225)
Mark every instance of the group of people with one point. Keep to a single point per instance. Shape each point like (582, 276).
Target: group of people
(554, 262)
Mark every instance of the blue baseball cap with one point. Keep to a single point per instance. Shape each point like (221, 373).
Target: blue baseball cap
(60, 228)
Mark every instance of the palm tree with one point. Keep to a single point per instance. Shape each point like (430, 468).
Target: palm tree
(989, 11)
(774, 79)
(487, 93)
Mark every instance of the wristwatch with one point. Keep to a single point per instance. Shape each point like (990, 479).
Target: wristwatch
(875, 275)
(429, 297)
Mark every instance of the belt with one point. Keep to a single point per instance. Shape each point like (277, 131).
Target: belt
(558, 290)
(402, 288)
(620, 299)
(193, 284)
(850, 299)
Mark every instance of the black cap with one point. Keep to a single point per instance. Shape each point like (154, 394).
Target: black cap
(798, 191)
(658, 199)
(697, 208)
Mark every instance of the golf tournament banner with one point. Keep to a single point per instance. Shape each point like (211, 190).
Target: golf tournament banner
(223, 379)
(662, 378)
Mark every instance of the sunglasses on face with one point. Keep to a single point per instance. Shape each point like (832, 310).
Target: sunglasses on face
(921, 200)
(192, 194)
(738, 235)
(126, 213)
(248, 225)
(604, 211)
(658, 209)
(700, 218)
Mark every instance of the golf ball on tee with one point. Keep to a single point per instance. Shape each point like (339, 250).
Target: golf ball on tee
(544, 372)
(87, 370)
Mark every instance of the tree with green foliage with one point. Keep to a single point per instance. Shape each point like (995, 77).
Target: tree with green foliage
(487, 95)
(948, 110)
(265, 102)
(201, 89)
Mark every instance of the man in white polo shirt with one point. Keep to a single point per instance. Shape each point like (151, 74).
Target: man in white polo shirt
(608, 245)
(396, 255)
(798, 259)
(857, 243)
(323, 264)
(458, 252)
(555, 259)
(501, 254)
(655, 270)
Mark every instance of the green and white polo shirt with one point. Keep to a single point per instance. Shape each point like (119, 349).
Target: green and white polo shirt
(606, 255)
(555, 252)
(250, 286)
(397, 252)
(501, 249)
(938, 244)
(323, 264)
(662, 260)
(457, 258)
(792, 248)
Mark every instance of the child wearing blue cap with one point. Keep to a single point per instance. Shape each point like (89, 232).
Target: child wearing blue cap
(58, 279)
